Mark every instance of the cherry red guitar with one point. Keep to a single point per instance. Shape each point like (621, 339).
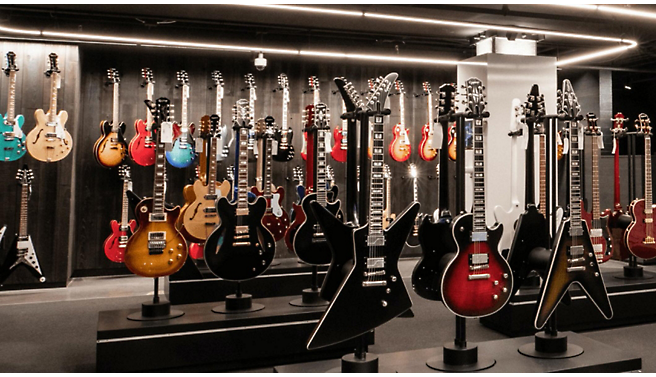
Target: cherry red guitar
(314, 88)
(618, 220)
(116, 242)
(142, 147)
(399, 148)
(341, 139)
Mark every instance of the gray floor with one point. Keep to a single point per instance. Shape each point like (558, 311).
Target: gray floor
(54, 330)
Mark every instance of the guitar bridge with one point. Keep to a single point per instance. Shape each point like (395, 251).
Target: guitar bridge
(596, 233)
(241, 230)
(576, 268)
(478, 277)
(648, 241)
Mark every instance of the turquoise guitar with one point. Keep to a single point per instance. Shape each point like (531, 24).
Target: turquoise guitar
(183, 152)
(12, 142)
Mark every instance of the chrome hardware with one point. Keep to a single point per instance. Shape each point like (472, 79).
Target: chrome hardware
(479, 237)
(505, 276)
(241, 229)
(170, 261)
(596, 274)
(478, 277)
(243, 243)
(496, 297)
(144, 209)
(590, 255)
(378, 283)
(179, 246)
(496, 282)
(388, 291)
(504, 290)
(393, 278)
(375, 273)
(576, 260)
(577, 268)
(384, 303)
(376, 262)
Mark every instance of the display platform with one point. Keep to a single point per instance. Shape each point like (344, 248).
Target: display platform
(202, 340)
(194, 283)
(597, 357)
(633, 302)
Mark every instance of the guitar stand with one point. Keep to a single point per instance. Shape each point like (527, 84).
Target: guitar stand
(238, 303)
(156, 310)
(361, 361)
(549, 344)
(310, 296)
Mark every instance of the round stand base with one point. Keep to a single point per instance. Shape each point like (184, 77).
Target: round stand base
(310, 298)
(351, 364)
(550, 347)
(633, 273)
(459, 359)
(155, 312)
(275, 262)
(234, 304)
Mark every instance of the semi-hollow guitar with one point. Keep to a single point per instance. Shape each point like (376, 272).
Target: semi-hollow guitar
(142, 146)
(452, 141)
(400, 148)
(157, 248)
(49, 141)
(110, 149)
(427, 151)
(618, 220)
(183, 150)
(283, 136)
(12, 140)
(115, 244)
(478, 281)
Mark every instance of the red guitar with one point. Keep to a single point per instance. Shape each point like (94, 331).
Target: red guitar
(341, 139)
(478, 281)
(314, 88)
(142, 147)
(616, 231)
(196, 250)
(399, 148)
(116, 242)
(639, 236)
(426, 150)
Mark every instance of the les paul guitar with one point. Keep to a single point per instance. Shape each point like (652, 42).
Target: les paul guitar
(413, 238)
(142, 147)
(427, 151)
(284, 136)
(183, 150)
(110, 149)
(12, 142)
(49, 141)
(400, 147)
(115, 244)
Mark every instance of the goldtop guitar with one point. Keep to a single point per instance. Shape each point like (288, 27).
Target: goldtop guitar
(142, 146)
(12, 143)
(573, 259)
(110, 149)
(618, 220)
(157, 248)
(388, 216)
(283, 137)
(340, 134)
(222, 131)
(183, 150)
(22, 250)
(49, 141)
(639, 235)
(413, 238)
(427, 151)
(478, 281)
(400, 148)
(116, 243)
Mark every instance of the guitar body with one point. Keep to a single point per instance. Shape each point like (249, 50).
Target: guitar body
(338, 153)
(182, 153)
(452, 142)
(110, 149)
(426, 150)
(239, 257)
(399, 148)
(530, 234)
(298, 216)
(286, 154)
(304, 147)
(196, 251)
(199, 218)
(144, 262)
(275, 219)
(141, 147)
(475, 297)
(413, 237)
(309, 241)
(599, 237)
(365, 307)
(617, 223)
(41, 142)
(635, 234)
(438, 248)
(559, 279)
(21, 252)
(508, 219)
(115, 244)
(11, 148)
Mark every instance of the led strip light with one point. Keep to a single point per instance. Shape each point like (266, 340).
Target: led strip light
(610, 9)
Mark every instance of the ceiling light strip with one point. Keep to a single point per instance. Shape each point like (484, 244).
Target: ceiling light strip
(384, 58)
(308, 9)
(611, 9)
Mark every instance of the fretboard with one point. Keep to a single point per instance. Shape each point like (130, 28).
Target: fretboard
(53, 97)
(115, 109)
(320, 170)
(211, 171)
(402, 111)
(596, 213)
(11, 98)
(266, 188)
(344, 128)
(242, 173)
(124, 204)
(219, 101)
(543, 175)
(616, 158)
(185, 105)
(479, 178)
(376, 199)
(575, 180)
(25, 196)
(648, 197)
(150, 90)
(430, 109)
(160, 175)
(285, 104)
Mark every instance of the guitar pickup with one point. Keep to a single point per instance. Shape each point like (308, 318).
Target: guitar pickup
(577, 268)
(479, 267)
(478, 277)
(576, 251)
(154, 236)
(50, 134)
(210, 224)
(242, 229)
(123, 239)
(479, 259)
(241, 236)
(596, 233)
(209, 209)
(157, 217)
(376, 262)
(377, 283)
(318, 240)
(576, 260)
(375, 273)
(318, 235)
(479, 237)
(210, 197)
(240, 244)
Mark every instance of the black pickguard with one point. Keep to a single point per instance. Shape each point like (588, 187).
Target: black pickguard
(235, 262)
(438, 248)
(357, 309)
(308, 248)
(284, 154)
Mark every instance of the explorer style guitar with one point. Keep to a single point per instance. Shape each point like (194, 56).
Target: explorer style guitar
(400, 148)
(12, 142)
(222, 131)
(183, 150)
(241, 247)
(427, 152)
(413, 238)
(639, 236)
(157, 248)
(618, 220)
(283, 136)
(573, 259)
(478, 281)
(49, 141)
(373, 291)
(110, 149)
(22, 249)
(142, 146)
(115, 244)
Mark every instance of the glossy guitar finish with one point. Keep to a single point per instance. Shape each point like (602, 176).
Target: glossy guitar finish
(427, 151)
(284, 135)
(276, 219)
(110, 149)
(618, 221)
(183, 151)
(452, 142)
(114, 245)
(142, 147)
(12, 138)
(199, 218)
(307, 247)
(400, 148)
(338, 153)
(438, 249)
(600, 236)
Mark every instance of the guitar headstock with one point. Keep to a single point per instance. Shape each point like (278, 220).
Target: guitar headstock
(534, 105)
(349, 94)
(52, 64)
(399, 87)
(592, 128)
(321, 117)
(518, 115)
(313, 81)
(618, 124)
(269, 126)
(183, 78)
(567, 104)
(25, 176)
(230, 172)
(380, 93)
(447, 101)
(387, 172)
(427, 88)
(242, 114)
(412, 170)
(330, 173)
(147, 75)
(643, 124)
(475, 98)
(159, 109)
(113, 76)
(250, 81)
(297, 174)
(217, 79)
(205, 127)
(10, 63)
(283, 83)
(124, 172)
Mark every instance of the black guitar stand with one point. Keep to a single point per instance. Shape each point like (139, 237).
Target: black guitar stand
(310, 296)
(156, 310)
(238, 302)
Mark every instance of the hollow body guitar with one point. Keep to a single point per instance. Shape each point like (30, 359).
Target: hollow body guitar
(110, 149)
(12, 142)
(115, 244)
(183, 151)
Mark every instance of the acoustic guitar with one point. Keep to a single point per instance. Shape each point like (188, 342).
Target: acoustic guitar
(427, 151)
(618, 220)
(283, 136)
(183, 150)
(12, 143)
(142, 147)
(49, 141)
(400, 148)
(115, 244)
(110, 149)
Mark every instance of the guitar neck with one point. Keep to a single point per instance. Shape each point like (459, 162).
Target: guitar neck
(596, 211)
(115, 108)
(388, 197)
(150, 90)
(211, 166)
(11, 98)
(320, 166)
(529, 194)
(430, 109)
(54, 78)
(160, 175)
(185, 105)
(219, 101)
(479, 179)
(576, 228)
(648, 197)
(376, 236)
(267, 167)
(285, 105)
(242, 173)
(543, 175)
(124, 203)
(616, 158)
(25, 196)
(402, 110)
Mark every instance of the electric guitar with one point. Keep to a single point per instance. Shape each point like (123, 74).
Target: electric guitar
(426, 150)
(142, 147)
(400, 148)
(110, 149)
(373, 291)
(452, 141)
(284, 136)
(597, 222)
(222, 131)
(22, 249)
(388, 216)
(157, 248)
(49, 141)
(413, 238)
(618, 220)
(115, 244)
(340, 134)
(12, 142)
(313, 81)
(275, 217)
(297, 176)
(509, 217)
(241, 247)
(183, 150)
(252, 97)
(478, 281)
(371, 84)
(572, 259)
(639, 236)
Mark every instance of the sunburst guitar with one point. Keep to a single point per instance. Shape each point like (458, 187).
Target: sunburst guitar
(110, 149)
(400, 148)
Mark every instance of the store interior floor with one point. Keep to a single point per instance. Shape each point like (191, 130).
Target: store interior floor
(54, 330)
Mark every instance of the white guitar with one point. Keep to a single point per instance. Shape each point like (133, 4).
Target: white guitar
(223, 145)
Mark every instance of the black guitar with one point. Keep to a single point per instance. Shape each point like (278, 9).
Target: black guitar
(373, 292)
(284, 150)
(573, 259)
(241, 247)
(22, 250)
(437, 244)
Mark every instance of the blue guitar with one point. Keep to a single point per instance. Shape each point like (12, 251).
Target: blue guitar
(12, 141)
(183, 152)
